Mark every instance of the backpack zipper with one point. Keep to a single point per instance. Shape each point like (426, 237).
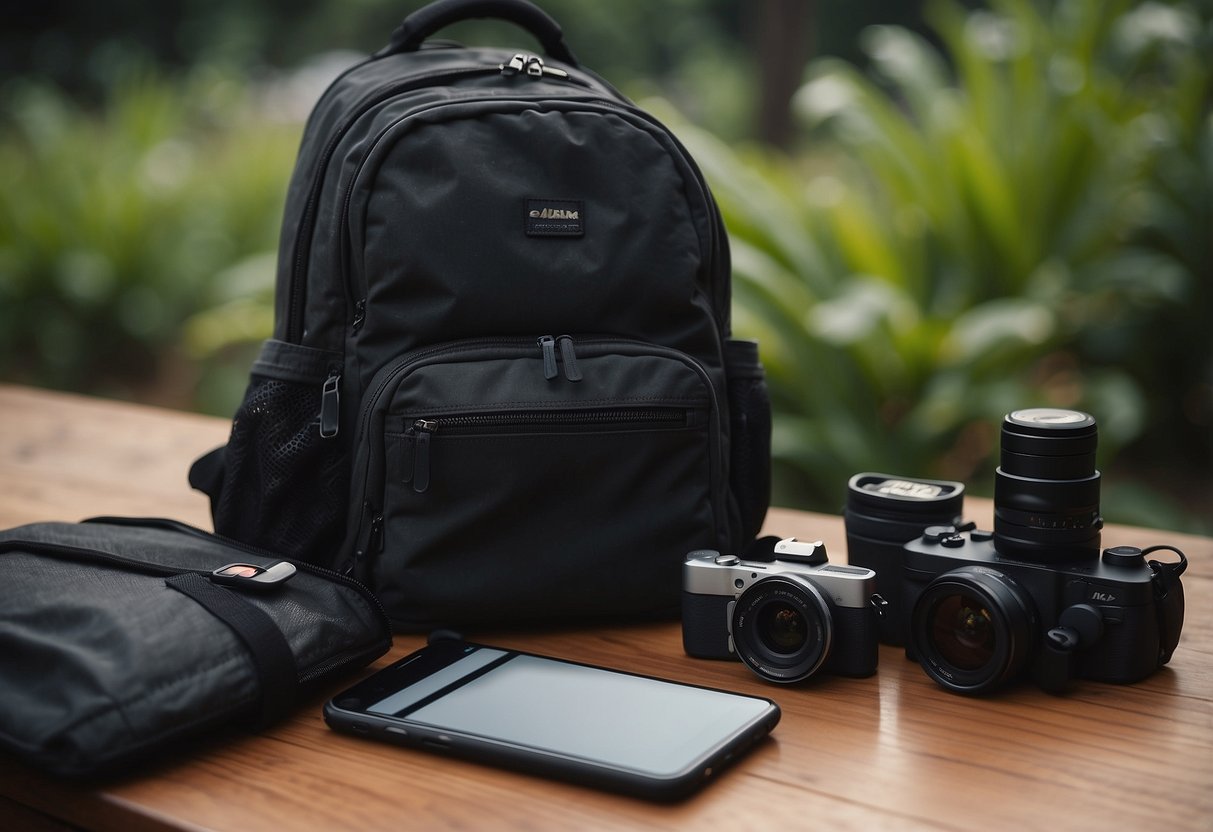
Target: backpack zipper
(568, 357)
(533, 65)
(330, 405)
(423, 430)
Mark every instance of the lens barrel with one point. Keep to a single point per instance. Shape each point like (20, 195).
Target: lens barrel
(782, 628)
(882, 513)
(973, 629)
(1046, 489)
(895, 509)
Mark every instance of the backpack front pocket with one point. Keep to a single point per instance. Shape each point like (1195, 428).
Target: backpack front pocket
(507, 492)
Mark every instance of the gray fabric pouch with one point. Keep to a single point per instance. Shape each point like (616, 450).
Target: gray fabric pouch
(122, 637)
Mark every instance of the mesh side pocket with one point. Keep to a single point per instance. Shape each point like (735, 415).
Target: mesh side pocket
(749, 435)
(284, 486)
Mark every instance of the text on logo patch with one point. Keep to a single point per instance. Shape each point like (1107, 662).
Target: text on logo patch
(555, 218)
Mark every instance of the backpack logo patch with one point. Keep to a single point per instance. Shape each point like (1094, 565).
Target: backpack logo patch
(555, 218)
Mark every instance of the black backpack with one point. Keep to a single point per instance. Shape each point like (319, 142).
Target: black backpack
(501, 384)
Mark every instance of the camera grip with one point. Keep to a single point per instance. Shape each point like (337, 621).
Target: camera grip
(856, 648)
(705, 626)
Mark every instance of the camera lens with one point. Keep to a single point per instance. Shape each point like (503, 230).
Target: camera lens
(882, 513)
(962, 629)
(1046, 489)
(782, 628)
(972, 629)
(890, 509)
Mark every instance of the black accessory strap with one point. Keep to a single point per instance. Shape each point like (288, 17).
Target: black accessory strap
(1168, 599)
(277, 677)
(424, 22)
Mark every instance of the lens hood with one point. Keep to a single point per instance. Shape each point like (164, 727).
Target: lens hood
(973, 629)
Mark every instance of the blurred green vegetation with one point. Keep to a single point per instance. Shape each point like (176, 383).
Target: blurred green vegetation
(1027, 226)
(116, 229)
(986, 208)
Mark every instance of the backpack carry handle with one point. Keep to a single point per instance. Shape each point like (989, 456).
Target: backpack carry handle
(424, 22)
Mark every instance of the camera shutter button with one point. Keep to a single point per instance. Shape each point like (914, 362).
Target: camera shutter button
(936, 534)
(1124, 556)
(727, 560)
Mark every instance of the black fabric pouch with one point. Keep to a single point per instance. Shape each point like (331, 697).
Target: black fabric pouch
(118, 639)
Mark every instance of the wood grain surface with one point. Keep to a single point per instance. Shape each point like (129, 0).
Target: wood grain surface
(893, 751)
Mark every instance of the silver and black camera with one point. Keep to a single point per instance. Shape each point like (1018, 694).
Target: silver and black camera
(787, 618)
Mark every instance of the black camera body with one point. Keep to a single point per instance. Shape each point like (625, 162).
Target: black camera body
(979, 619)
(786, 619)
(1036, 594)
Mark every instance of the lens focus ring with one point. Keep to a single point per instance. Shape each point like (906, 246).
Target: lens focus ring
(1046, 491)
(972, 629)
(782, 628)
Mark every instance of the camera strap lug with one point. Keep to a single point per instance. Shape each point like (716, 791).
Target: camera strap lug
(1168, 599)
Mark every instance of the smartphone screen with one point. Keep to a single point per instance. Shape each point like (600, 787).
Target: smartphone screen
(575, 721)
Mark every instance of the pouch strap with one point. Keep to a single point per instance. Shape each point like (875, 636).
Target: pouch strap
(273, 660)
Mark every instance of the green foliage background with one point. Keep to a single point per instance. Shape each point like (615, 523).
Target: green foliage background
(1028, 226)
(989, 208)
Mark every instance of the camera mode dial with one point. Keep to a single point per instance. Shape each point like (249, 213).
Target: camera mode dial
(936, 534)
(1129, 556)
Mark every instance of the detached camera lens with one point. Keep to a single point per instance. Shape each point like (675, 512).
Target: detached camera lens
(972, 629)
(1046, 489)
(782, 628)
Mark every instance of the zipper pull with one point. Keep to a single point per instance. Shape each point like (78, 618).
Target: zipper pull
(369, 542)
(531, 65)
(548, 344)
(514, 65)
(359, 315)
(422, 429)
(330, 405)
(375, 543)
(569, 358)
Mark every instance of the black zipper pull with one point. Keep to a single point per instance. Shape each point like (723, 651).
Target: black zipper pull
(548, 344)
(359, 314)
(375, 544)
(569, 357)
(369, 541)
(330, 405)
(422, 429)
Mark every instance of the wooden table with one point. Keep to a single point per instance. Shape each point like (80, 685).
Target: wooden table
(891, 751)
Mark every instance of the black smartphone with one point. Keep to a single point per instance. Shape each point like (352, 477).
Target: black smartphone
(606, 728)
